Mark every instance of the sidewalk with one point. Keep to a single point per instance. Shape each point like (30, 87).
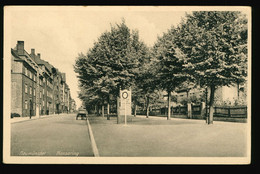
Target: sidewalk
(21, 119)
(159, 137)
(195, 118)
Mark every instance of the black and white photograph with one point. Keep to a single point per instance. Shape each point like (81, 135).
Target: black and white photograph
(127, 85)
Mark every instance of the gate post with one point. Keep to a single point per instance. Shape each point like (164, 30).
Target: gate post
(202, 109)
(189, 108)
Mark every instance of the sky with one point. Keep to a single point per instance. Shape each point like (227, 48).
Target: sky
(60, 33)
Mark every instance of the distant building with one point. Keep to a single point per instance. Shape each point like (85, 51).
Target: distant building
(183, 94)
(38, 88)
(73, 106)
(45, 84)
(23, 82)
(231, 95)
(57, 91)
(224, 95)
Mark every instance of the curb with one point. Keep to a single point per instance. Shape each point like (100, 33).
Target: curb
(34, 118)
(215, 119)
(93, 142)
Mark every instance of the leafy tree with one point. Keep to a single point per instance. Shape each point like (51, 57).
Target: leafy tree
(146, 82)
(112, 63)
(169, 61)
(215, 45)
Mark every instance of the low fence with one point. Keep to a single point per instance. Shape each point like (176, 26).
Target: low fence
(236, 112)
(225, 111)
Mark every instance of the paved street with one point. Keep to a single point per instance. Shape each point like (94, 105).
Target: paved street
(54, 136)
(154, 137)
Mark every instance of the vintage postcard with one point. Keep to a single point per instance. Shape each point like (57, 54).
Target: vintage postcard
(127, 85)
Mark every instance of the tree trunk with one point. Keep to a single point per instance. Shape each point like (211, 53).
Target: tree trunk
(211, 102)
(103, 110)
(135, 107)
(108, 112)
(237, 91)
(206, 103)
(108, 105)
(189, 109)
(147, 107)
(169, 106)
(99, 110)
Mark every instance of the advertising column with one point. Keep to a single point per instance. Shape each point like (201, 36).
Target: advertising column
(124, 110)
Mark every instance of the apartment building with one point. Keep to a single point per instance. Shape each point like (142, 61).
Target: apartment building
(38, 88)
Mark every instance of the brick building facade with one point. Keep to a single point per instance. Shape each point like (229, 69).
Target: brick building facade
(37, 88)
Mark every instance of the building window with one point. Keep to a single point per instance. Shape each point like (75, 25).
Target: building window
(29, 74)
(25, 104)
(25, 88)
(41, 94)
(34, 92)
(25, 71)
(30, 90)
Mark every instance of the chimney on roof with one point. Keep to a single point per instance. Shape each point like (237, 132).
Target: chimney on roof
(32, 53)
(39, 55)
(20, 47)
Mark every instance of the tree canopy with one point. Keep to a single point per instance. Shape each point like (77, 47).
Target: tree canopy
(113, 62)
(208, 48)
(215, 45)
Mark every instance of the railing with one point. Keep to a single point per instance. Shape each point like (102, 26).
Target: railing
(196, 109)
(225, 111)
(179, 110)
(236, 112)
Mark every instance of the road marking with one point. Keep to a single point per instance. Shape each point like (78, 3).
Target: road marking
(93, 142)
